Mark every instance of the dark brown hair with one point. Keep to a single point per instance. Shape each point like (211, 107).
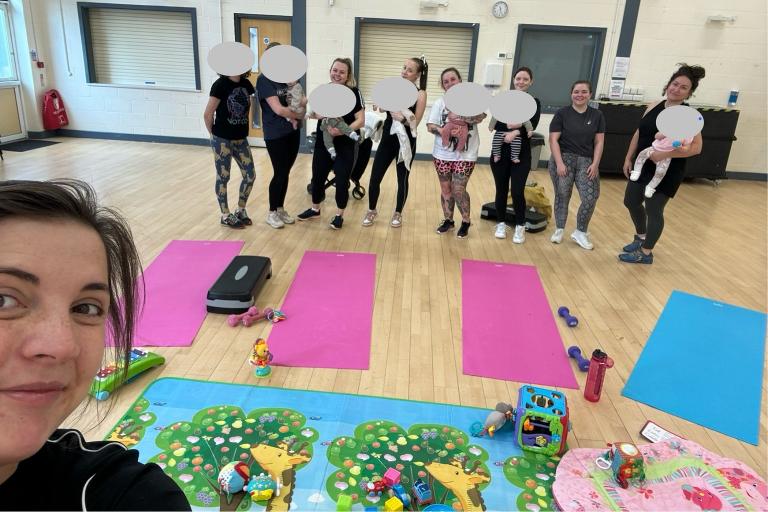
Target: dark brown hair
(448, 70)
(523, 68)
(693, 73)
(76, 201)
(421, 62)
(587, 82)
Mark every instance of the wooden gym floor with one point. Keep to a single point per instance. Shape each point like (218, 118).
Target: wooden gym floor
(714, 245)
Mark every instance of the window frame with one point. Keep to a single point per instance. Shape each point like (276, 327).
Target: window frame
(594, 75)
(6, 7)
(359, 20)
(83, 13)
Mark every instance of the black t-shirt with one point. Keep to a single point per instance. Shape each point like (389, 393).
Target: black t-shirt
(69, 473)
(645, 137)
(387, 128)
(525, 142)
(577, 131)
(274, 126)
(231, 120)
(348, 118)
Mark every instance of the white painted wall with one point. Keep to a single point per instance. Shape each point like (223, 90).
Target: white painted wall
(734, 55)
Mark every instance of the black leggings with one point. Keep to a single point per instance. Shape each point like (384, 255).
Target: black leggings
(648, 218)
(506, 173)
(388, 149)
(361, 160)
(342, 166)
(282, 153)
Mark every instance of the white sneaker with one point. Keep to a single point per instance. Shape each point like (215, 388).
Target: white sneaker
(557, 236)
(519, 236)
(274, 220)
(582, 239)
(501, 230)
(397, 220)
(369, 218)
(286, 217)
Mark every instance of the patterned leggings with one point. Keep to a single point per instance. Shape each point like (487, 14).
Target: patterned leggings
(453, 176)
(589, 190)
(223, 151)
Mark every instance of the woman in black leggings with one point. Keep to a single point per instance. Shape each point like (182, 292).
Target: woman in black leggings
(648, 213)
(507, 173)
(414, 69)
(322, 161)
(282, 141)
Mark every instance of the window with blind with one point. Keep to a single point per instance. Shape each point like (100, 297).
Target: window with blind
(383, 45)
(140, 46)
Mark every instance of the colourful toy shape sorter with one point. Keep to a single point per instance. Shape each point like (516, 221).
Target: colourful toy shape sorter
(541, 420)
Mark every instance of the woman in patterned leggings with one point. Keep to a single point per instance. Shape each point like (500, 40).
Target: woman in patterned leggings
(454, 165)
(230, 100)
(576, 137)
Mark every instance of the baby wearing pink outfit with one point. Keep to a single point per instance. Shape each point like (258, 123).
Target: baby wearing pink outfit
(662, 144)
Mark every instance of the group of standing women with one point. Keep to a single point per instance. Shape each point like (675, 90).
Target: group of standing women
(576, 142)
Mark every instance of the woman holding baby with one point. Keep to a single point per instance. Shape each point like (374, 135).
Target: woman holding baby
(454, 161)
(400, 147)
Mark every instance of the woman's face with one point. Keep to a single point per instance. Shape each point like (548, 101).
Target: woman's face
(580, 95)
(410, 71)
(339, 73)
(53, 304)
(679, 89)
(523, 81)
(449, 79)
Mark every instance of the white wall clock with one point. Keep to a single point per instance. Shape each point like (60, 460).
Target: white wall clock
(500, 9)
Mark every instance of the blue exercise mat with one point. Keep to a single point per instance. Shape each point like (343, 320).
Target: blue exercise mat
(704, 363)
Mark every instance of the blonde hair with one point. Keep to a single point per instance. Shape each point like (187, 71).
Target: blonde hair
(351, 82)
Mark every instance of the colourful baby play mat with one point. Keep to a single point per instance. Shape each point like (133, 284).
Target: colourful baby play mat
(680, 475)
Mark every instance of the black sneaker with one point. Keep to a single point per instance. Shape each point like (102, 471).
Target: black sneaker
(447, 225)
(308, 214)
(242, 216)
(337, 222)
(231, 221)
(463, 230)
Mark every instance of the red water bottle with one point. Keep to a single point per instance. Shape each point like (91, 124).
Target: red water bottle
(597, 366)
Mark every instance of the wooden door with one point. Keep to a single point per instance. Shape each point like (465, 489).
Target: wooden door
(258, 33)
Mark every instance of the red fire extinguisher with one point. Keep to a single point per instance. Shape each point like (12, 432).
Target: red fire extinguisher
(54, 115)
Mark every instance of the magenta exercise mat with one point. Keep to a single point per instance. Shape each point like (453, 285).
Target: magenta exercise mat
(508, 328)
(329, 310)
(176, 284)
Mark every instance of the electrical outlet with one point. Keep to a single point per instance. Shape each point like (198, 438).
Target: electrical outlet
(502, 55)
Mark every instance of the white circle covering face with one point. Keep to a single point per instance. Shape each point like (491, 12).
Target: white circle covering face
(332, 100)
(513, 106)
(231, 59)
(680, 122)
(467, 99)
(394, 94)
(283, 63)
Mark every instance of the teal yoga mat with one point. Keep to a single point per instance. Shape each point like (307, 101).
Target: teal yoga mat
(704, 363)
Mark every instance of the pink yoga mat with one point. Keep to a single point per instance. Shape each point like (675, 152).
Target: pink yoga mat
(176, 285)
(508, 328)
(329, 310)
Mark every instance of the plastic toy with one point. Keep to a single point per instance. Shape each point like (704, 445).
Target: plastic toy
(575, 353)
(110, 377)
(391, 477)
(393, 505)
(421, 492)
(597, 366)
(676, 144)
(541, 420)
(344, 503)
(261, 488)
(260, 358)
(253, 315)
(399, 492)
(497, 419)
(233, 477)
(377, 487)
(626, 462)
(571, 320)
